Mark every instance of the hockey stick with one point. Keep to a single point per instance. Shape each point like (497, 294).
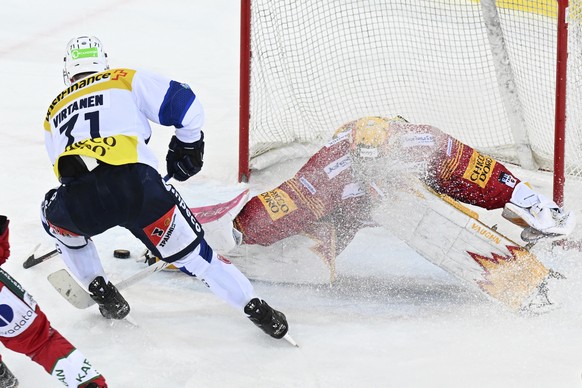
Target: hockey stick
(76, 295)
(32, 260)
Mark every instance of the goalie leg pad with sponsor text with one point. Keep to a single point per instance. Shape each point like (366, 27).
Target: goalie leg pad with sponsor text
(451, 236)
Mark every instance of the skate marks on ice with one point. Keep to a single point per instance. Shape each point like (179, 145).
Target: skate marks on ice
(377, 281)
(420, 295)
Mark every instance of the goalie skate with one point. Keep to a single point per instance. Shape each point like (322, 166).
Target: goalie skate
(557, 223)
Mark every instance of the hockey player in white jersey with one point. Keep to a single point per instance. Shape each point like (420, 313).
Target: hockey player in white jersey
(96, 135)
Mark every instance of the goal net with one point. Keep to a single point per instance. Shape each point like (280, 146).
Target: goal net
(484, 72)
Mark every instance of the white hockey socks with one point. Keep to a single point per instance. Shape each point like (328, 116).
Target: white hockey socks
(221, 276)
(84, 263)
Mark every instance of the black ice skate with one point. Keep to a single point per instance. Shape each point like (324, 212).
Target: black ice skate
(7, 379)
(271, 321)
(111, 304)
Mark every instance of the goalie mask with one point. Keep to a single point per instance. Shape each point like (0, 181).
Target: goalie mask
(84, 55)
(371, 136)
(371, 148)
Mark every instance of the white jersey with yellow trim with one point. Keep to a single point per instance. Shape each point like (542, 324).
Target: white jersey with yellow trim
(106, 116)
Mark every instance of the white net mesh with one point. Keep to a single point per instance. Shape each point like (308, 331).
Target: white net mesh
(317, 64)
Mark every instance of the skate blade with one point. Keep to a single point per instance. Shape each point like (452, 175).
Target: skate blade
(531, 235)
(289, 339)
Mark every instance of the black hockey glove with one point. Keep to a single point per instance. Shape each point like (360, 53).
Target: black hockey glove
(184, 159)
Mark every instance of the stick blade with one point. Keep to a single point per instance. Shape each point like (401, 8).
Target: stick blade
(69, 289)
(30, 260)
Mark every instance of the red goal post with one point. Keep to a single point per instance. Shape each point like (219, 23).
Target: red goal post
(491, 73)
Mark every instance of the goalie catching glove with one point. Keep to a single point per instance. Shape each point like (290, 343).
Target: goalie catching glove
(184, 159)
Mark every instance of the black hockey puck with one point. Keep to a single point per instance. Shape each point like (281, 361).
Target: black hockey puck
(121, 253)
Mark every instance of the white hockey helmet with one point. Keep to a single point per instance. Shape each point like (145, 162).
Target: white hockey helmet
(84, 55)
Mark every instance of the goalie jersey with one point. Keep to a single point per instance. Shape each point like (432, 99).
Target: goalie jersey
(104, 118)
(337, 189)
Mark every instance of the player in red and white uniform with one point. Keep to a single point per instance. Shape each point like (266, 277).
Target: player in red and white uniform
(332, 194)
(25, 329)
(96, 135)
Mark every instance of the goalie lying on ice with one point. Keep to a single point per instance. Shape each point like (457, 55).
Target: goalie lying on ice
(409, 179)
(368, 159)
